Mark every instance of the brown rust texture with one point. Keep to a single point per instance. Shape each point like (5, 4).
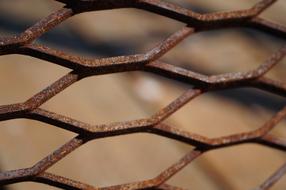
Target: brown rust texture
(148, 62)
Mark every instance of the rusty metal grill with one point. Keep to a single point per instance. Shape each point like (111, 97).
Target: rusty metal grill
(148, 62)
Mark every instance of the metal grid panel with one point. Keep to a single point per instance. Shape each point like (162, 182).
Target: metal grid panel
(148, 62)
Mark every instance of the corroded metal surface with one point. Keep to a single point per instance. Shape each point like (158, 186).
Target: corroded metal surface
(148, 62)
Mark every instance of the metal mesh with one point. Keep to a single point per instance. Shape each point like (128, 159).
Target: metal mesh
(148, 62)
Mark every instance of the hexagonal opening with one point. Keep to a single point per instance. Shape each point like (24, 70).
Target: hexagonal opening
(224, 169)
(224, 51)
(226, 112)
(12, 10)
(114, 98)
(110, 33)
(25, 142)
(22, 77)
(120, 160)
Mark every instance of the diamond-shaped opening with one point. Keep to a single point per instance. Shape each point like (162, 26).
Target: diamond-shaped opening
(30, 186)
(113, 98)
(17, 16)
(119, 160)
(25, 142)
(23, 77)
(209, 6)
(111, 32)
(227, 112)
(223, 51)
(239, 167)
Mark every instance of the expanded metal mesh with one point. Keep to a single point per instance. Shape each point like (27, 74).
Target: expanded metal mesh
(148, 62)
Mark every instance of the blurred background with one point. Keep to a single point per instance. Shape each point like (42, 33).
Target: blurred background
(135, 95)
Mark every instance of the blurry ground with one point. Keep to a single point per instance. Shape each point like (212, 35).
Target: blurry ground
(129, 96)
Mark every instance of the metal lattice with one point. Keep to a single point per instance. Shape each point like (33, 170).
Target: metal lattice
(82, 68)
